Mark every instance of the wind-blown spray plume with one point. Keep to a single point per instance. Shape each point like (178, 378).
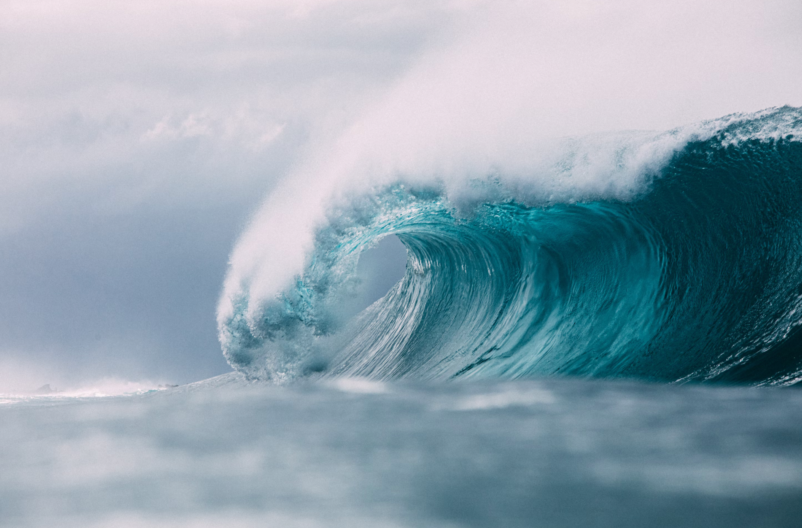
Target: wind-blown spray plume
(661, 255)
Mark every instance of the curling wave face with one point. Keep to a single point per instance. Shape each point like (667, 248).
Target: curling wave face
(692, 270)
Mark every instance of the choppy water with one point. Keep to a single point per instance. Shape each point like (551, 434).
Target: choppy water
(353, 452)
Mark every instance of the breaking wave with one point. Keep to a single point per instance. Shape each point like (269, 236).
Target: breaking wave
(671, 256)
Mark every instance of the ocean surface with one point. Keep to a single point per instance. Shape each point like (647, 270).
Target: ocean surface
(605, 334)
(354, 452)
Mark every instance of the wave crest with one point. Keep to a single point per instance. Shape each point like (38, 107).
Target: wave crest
(668, 257)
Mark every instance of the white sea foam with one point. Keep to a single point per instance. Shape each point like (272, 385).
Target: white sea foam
(101, 388)
(360, 386)
(503, 399)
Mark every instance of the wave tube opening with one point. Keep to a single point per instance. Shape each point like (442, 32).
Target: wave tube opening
(698, 277)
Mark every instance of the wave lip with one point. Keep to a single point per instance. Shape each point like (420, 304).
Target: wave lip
(670, 257)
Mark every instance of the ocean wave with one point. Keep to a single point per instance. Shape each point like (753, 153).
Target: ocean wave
(669, 256)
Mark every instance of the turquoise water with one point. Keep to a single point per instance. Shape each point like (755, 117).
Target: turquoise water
(688, 270)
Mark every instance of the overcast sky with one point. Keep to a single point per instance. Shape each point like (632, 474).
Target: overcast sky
(138, 138)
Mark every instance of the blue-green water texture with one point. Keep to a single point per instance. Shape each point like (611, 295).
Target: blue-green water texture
(692, 275)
